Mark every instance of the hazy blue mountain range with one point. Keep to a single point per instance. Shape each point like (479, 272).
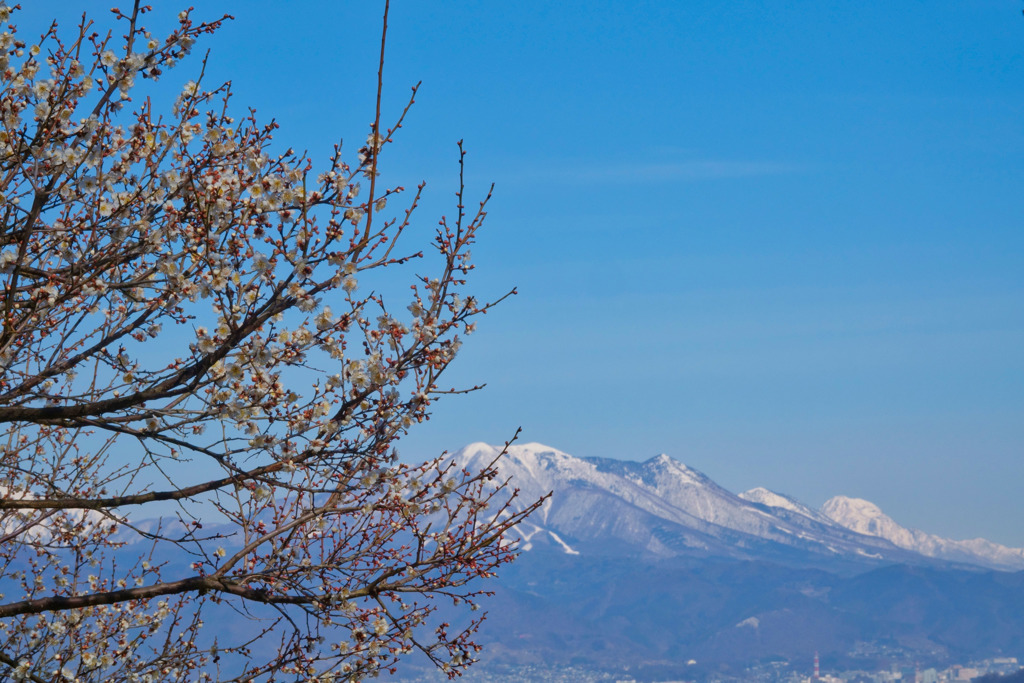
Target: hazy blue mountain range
(651, 569)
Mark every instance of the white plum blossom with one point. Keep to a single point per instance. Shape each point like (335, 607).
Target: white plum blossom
(325, 319)
(186, 331)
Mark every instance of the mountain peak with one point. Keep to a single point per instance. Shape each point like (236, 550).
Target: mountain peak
(536, 447)
(865, 517)
(844, 505)
(667, 464)
(516, 450)
(475, 449)
(666, 508)
(771, 499)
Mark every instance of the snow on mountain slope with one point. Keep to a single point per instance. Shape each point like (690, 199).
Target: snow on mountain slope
(867, 518)
(660, 507)
(664, 508)
(777, 500)
(599, 508)
(38, 526)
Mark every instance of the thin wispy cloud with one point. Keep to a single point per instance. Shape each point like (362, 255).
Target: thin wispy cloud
(653, 172)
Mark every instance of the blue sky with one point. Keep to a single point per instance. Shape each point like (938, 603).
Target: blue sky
(779, 241)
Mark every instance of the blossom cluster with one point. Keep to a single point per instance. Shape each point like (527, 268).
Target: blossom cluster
(182, 322)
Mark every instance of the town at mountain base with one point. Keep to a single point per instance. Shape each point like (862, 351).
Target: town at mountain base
(651, 570)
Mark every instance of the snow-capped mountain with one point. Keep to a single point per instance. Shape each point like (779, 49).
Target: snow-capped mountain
(865, 517)
(643, 568)
(39, 526)
(662, 508)
(783, 502)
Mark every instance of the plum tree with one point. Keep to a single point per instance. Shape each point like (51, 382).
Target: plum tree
(183, 329)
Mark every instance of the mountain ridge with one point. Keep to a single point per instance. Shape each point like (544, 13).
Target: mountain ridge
(865, 517)
(645, 567)
(662, 507)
